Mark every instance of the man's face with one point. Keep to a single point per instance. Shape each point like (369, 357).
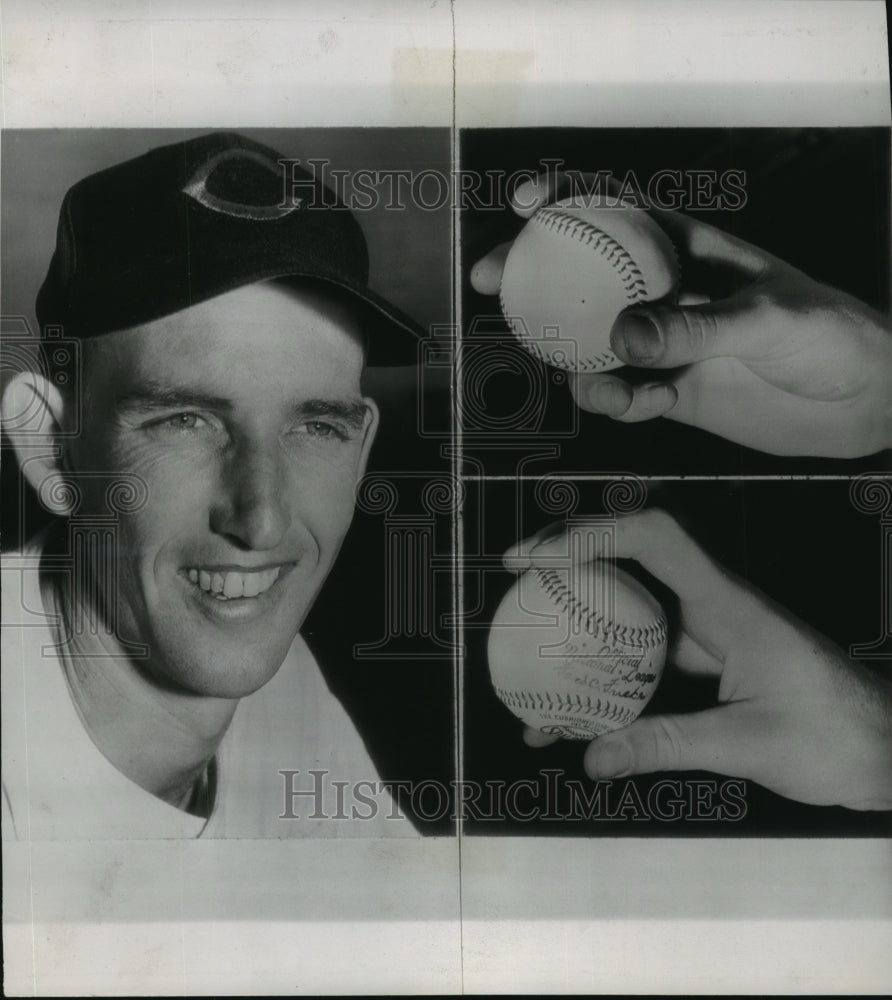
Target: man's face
(243, 417)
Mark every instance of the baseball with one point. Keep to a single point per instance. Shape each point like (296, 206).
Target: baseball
(573, 269)
(577, 657)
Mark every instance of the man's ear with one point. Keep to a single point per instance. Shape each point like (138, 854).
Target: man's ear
(32, 411)
(371, 429)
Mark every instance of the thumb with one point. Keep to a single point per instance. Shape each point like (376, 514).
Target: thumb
(665, 336)
(713, 740)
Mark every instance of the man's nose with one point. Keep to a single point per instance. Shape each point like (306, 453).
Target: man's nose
(252, 508)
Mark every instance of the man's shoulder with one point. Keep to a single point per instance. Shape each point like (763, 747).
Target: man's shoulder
(291, 732)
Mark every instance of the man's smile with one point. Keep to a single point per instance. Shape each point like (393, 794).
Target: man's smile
(233, 583)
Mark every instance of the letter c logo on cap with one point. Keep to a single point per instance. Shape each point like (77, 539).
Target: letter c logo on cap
(197, 189)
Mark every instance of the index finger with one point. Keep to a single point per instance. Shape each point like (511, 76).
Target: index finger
(517, 558)
(532, 194)
(655, 540)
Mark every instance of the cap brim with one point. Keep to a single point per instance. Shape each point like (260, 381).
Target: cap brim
(392, 337)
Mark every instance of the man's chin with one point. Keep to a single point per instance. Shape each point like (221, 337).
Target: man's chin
(221, 663)
(227, 675)
(222, 648)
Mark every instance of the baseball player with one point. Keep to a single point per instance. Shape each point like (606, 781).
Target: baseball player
(201, 464)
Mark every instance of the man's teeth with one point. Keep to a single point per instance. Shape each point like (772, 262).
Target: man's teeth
(226, 586)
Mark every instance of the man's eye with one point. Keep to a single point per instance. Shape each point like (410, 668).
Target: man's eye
(321, 429)
(182, 421)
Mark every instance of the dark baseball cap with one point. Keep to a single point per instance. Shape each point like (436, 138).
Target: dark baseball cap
(189, 221)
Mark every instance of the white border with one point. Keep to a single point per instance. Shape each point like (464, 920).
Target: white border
(258, 62)
(285, 63)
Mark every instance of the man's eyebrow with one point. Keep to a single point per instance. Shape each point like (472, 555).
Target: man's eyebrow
(156, 397)
(352, 412)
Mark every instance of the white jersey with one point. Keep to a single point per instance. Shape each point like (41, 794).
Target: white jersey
(57, 785)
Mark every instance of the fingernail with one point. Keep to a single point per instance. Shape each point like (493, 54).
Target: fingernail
(614, 760)
(512, 561)
(638, 338)
(655, 389)
(515, 558)
(478, 271)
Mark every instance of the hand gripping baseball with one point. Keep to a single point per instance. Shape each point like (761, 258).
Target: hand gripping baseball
(794, 713)
(769, 358)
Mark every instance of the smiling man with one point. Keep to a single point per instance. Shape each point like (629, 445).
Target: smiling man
(154, 679)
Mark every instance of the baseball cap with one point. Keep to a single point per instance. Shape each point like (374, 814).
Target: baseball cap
(189, 221)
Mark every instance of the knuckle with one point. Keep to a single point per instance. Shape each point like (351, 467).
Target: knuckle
(700, 330)
(667, 744)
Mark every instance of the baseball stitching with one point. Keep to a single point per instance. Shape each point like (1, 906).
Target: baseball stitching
(594, 363)
(649, 637)
(614, 253)
(546, 701)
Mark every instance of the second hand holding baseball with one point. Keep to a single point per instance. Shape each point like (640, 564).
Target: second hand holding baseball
(793, 712)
